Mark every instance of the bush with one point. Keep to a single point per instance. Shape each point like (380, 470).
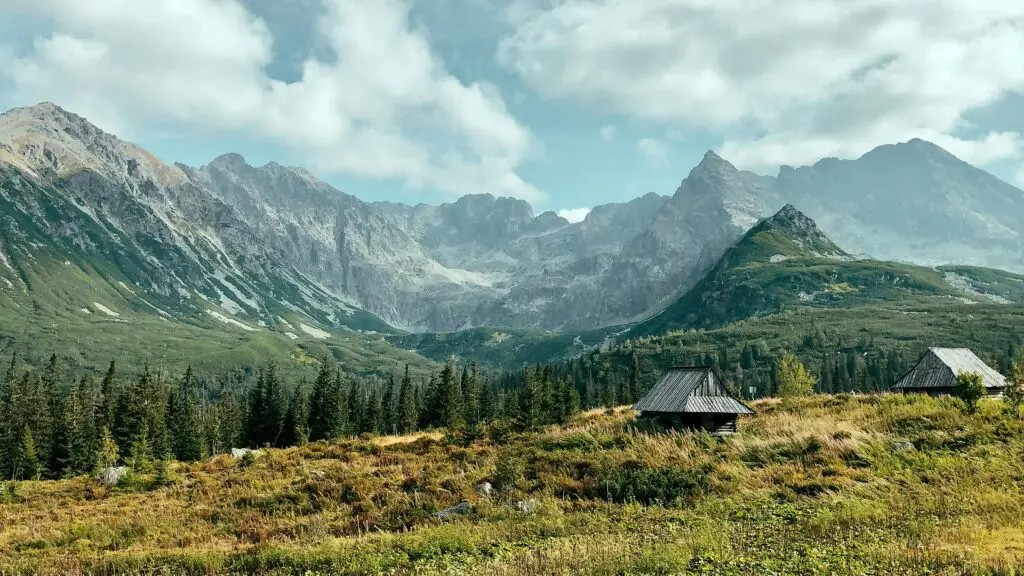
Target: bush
(970, 387)
(508, 474)
(668, 485)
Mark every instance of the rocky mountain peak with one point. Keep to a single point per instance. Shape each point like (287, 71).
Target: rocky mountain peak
(791, 233)
(713, 164)
(230, 162)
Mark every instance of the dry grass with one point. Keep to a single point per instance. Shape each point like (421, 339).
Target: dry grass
(807, 487)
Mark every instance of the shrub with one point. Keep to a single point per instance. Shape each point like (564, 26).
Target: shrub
(794, 381)
(970, 387)
(508, 474)
(663, 485)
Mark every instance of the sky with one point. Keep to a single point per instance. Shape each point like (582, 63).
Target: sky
(567, 104)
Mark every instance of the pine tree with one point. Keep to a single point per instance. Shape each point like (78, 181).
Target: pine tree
(26, 461)
(589, 398)
(471, 394)
(141, 453)
(531, 414)
(488, 402)
(408, 413)
(53, 432)
(8, 416)
(132, 411)
(628, 393)
(325, 405)
(295, 431)
(108, 397)
(267, 408)
(449, 398)
(1014, 393)
(354, 409)
(388, 407)
(186, 441)
(373, 414)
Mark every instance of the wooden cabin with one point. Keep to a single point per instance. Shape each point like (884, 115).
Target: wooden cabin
(694, 398)
(936, 372)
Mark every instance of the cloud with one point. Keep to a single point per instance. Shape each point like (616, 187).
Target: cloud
(652, 149)
(783, 81)
(574, 214)
(380, 105)
(608, 132)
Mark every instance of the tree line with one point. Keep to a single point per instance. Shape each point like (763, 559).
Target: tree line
(54, 424)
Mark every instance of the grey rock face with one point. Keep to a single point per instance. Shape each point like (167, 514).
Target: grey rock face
(912, 202)
(261, 241)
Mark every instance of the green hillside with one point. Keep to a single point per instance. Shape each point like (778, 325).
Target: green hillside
(786, 263)
(69, 283)
(867, 485)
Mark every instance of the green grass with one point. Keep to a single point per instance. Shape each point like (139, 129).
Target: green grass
(807, 487)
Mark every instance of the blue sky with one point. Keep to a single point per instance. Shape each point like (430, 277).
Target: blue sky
(566, 103)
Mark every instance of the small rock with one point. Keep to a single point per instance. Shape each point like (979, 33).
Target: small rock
(902, 446)
(111, 477)
(457, 510)
(526, 506)
(238, 453)
(484, 490)
(318, 474)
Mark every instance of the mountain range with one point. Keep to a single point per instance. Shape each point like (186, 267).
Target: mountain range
(273, 248)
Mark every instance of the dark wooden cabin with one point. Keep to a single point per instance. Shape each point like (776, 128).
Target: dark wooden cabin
(936, 372)
(695, 398)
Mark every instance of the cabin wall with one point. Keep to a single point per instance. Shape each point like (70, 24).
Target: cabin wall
(714, 423)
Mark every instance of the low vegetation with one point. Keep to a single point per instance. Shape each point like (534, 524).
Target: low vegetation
(821, 484)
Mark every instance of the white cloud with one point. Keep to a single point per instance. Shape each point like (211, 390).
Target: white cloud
(653, 149)
(574, 214)
(608, 132)
(785, 81)
(381, 106)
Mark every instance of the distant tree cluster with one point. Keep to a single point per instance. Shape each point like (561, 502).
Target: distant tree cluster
(54, 425)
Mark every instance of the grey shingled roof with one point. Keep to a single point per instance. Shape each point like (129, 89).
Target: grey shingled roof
(953, 362)
(674, 393)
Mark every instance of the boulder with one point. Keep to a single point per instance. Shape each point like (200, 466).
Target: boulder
(526, 506)
(484, 489)
(112, 476)
(458, 510)
(239, 453)
(902, 446)
(317, 474)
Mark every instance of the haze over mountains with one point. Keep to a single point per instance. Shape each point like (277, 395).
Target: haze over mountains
(272, 244)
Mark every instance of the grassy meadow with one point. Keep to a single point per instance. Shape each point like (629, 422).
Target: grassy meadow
(845, 484)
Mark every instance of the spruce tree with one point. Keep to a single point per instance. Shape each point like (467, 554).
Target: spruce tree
(182, 419)
(26, 461)
(108, 397)
(8, 417)
(471, 395)
(488, 402)
(408, 414)
(295, 430)
(140, 453)
(373, 414)
(325, 404)
(132, 411)
(388, 416)
(449, 398)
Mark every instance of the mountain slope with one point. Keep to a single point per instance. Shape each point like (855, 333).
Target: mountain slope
(106, 251)
(786, 262)
(912, 202)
